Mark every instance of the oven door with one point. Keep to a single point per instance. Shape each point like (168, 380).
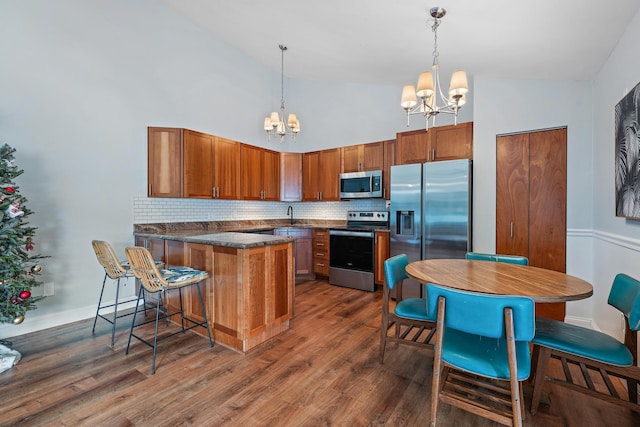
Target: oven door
(351, 250)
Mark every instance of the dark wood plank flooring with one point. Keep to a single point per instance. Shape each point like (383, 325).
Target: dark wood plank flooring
(324, 371)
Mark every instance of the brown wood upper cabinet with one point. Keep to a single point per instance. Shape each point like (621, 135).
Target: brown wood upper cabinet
(363, 157)
(211, 166)
(260, 173)
(438, 143)
(164, 162)
(291, 177)
(320, 172)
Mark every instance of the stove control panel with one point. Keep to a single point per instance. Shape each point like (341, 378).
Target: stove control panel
(368, 216)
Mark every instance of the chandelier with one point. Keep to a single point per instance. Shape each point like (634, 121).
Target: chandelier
(275, 124)
(429, 90)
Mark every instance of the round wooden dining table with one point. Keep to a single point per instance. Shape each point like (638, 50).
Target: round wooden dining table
(501, 278)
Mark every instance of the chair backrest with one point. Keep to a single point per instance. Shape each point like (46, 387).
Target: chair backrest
(625, 296)
(510, 259)
(108, 259)
(144, 268)
(394, 270)
(483, 314)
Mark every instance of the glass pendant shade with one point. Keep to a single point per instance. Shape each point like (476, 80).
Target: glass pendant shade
(425, 85)
(458, 84)
(409, 99)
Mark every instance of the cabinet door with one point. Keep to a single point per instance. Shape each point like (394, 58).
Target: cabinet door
(164, 162)
(373, 156)
(412, 147)
(291, 177)
(311, 176)
(352, 158)
(251, 159)
(330, 174)
(198, 152)
(512, 195)
(381, 255)
(270, 175)
(226, 168)
(547, 199)
(389, 160)
(200, 257)
(452, 142)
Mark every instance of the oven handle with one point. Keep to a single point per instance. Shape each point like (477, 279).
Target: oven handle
(351, 233)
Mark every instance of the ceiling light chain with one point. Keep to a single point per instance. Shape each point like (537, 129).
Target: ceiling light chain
(275, 124)
(429, 88)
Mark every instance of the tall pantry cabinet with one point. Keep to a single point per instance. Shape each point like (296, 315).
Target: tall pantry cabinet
(531, 201)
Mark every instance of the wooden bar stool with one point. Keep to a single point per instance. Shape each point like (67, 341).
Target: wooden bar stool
(115, 270)
(159, 282)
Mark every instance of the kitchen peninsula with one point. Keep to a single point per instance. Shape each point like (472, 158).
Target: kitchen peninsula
(249, 293)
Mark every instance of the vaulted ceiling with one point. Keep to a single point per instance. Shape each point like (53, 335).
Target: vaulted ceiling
(391, 42)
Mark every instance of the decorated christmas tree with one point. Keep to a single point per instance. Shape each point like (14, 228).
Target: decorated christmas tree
(18, 268)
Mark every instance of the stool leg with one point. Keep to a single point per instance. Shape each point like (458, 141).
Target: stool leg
(115, 314)
(99, 302)
(204, 314)
(155, 337)
(181, 309)
(133, 322)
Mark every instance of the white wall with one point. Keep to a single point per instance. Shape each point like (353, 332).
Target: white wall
(513, 105)
(80, 82)
(617, 240)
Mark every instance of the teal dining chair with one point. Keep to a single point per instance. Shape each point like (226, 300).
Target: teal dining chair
(592, 352)
(511, 259)
(409, 319)
(481, 352)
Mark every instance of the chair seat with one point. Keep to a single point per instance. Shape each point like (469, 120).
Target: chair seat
(180, 276)
(582, 342)
(414, 309)
(469, 352)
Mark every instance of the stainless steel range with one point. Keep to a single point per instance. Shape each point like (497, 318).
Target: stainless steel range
(351, 254)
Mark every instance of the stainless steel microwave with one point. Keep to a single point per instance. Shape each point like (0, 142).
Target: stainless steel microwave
(361, 185)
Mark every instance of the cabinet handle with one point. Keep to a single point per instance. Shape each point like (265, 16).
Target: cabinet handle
(319, 254)
(217, 192)
(150, 188)
(321, 195)
(433, 154)
(320, 265)
(511, 229)
(319, 244)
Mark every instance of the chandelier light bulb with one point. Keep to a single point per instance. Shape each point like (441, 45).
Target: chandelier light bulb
(275, 124)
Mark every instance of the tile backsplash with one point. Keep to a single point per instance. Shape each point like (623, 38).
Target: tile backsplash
(154, 210)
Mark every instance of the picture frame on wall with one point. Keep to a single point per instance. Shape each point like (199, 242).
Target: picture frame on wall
(627, 155)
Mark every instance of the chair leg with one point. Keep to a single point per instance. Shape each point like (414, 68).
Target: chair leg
(383, 335)
(541, 364)
(204, 314)
(133, 322)
(99, 303)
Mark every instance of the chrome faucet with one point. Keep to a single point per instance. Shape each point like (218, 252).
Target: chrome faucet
(290, 212)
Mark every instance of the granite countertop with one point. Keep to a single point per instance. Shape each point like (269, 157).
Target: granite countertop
(230, 239)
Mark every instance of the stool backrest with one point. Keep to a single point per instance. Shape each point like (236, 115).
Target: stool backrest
(108, 259)
(144, 268)
(510, 259)
(394, 270)
(483, 314)
(625, 296)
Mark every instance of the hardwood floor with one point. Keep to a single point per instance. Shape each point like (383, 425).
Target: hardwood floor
(323, 371)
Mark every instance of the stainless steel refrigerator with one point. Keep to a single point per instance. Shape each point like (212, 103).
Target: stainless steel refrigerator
(430, 212)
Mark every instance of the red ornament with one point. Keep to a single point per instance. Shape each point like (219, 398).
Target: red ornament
(24, 294)
(29, 246)
(10, 190)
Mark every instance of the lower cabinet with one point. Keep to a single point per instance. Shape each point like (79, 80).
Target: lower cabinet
(303, 249)
(320, 245)
(253, 294)
(381, 254)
